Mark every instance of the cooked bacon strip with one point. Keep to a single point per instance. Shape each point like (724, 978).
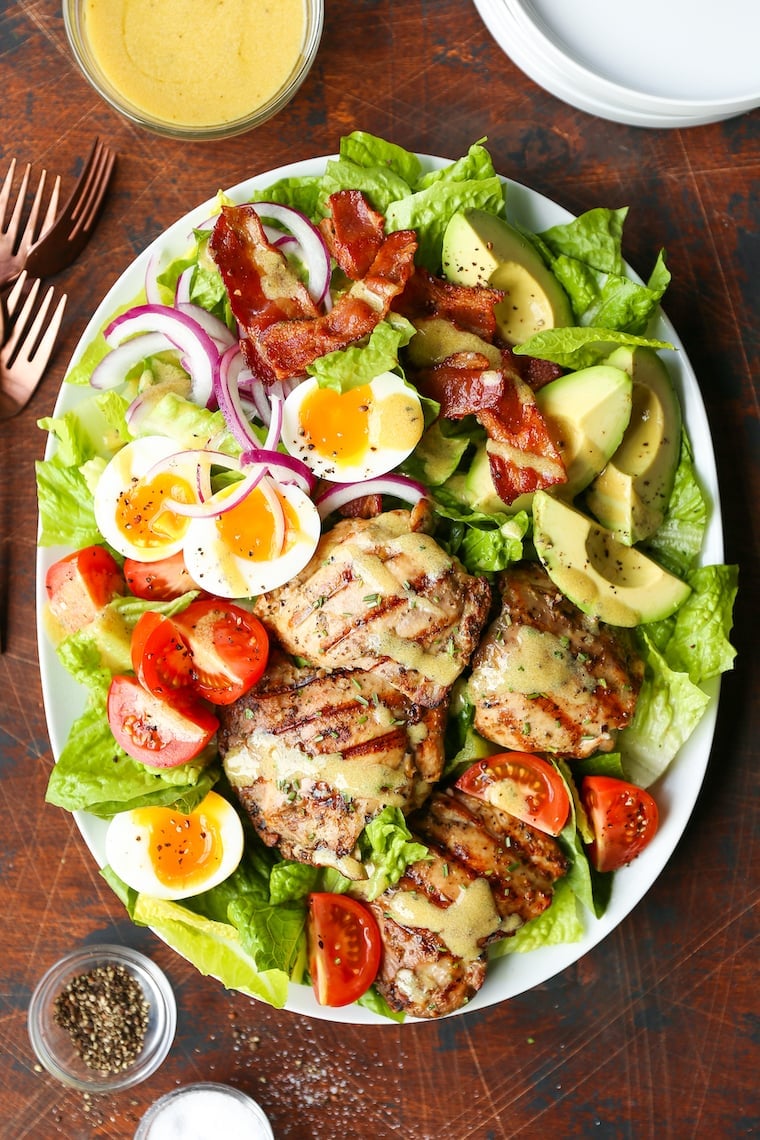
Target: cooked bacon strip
(354, 232)
(286, 347)
(521, 452)
(535, 372)
(261, 285)
(470, 307)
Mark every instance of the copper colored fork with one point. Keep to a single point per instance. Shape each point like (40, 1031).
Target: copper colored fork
(64, 240)
(25, 355)
(15, 243)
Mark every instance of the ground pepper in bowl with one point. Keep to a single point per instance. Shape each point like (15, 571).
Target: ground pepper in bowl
(106, 1015)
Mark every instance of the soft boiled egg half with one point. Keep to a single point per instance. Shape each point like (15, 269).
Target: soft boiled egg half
(162, 852)
(346, 437)
(132, 494)
(262, 541)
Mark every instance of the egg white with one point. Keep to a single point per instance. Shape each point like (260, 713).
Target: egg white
(127, 850)
(219, 571)
(134, 461)
(380, 454)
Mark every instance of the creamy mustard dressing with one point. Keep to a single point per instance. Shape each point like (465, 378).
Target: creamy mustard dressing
(265, 756)
(462, 926)
(196, 63)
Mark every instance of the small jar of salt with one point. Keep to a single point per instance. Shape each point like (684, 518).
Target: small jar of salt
(204, 1111)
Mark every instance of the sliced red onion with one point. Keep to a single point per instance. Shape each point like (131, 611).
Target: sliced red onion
(182, 288)
(255, 389)
(316, 255)
(400, 486)
(216, 329)
(275, 427)
(274, 502)
(152, 290)
(283, 468)
(228, 397)
(113, 368)
(204, 460)
(190, 338)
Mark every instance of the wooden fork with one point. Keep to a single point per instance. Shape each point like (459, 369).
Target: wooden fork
(15, 243)
(25, 355)
(59, 245)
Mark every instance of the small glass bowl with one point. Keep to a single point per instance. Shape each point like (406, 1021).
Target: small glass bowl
(74, 19)
(249, 1120)
(53, 1044)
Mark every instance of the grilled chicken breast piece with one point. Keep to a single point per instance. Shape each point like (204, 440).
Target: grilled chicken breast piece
(314, 756)
(381, 595)
(487, 874)
(549, 678)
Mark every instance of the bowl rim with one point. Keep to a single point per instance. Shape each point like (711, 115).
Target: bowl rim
(151, 1113)
(158, 993)
(93, 73)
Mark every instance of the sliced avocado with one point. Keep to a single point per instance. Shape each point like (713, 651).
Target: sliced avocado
(481, 249)
(437, 338)
(586, 413)
(603, 577)
(631, 494)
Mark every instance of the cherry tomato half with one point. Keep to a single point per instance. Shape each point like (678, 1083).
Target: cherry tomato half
(160, 656)
(624, 819)
(344, 948)
(229, 647)
(79, 585)
(524, 785)
(161, 581)
(152, 730)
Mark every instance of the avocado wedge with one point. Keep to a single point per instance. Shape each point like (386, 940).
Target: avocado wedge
(603, 577)
(481, 249)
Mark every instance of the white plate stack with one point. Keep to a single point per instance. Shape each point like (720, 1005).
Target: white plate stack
(648, 63)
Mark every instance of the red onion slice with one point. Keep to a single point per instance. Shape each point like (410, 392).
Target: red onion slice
(222, 337)
(274, 502)
(399, 486)
(193, 342)
(228, 397)
(113, 368)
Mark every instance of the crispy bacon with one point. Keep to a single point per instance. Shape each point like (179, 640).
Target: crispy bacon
(521, 453)
(354, 232)
(470, 307)
(261, 285)
(535, 372)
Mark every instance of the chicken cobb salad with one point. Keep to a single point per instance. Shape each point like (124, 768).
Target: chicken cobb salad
(384, 579)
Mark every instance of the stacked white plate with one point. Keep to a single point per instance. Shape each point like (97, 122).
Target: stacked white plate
(650, 63)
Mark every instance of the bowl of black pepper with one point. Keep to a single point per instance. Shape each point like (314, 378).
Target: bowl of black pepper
(103, 1018)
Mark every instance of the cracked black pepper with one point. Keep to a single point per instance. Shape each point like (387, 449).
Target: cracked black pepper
(106, 1015)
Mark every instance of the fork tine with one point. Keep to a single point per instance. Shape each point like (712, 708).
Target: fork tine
(92, 198)
(78, 194)
(10, 348)
(16, 293)
(15, 219)
(42, 346)
(5, 193)
(31, 230)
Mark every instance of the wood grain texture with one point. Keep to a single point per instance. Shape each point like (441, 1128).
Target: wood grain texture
(653, 1034)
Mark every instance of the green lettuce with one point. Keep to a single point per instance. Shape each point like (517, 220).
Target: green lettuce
(576, 348)
(679, 537)
(351, 367)
(558, 924)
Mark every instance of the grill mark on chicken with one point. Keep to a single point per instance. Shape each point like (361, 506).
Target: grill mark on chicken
(380, 595)
(471, 844)
(314, 756)
(549, 678)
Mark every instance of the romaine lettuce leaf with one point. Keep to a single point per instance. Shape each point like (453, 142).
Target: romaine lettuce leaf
(351, 367)
(559, 924)
(679, 537)
(577, 348)
(65, 503)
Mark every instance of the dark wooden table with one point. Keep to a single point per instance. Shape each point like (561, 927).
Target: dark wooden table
(653, 1034)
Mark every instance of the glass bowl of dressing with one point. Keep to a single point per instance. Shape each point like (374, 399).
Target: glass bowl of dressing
(195, 69)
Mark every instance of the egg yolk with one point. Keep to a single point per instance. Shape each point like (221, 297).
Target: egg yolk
(336, 424)
(248, 530)
(184, 850)
(143, 512)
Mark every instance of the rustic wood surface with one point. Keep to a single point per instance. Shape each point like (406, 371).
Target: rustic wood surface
(653, 1034)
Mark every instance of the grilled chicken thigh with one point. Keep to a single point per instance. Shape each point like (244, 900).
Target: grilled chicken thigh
(380, 595)
(548, 678)
(487, 874)
(314, 756)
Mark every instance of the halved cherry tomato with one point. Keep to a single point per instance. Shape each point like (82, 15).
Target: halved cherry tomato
(624, 819)
(344, 948)
(161, 581)
(229, 647)
(79, 585)
(152, 730)
(524, 785)
(160, 656)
